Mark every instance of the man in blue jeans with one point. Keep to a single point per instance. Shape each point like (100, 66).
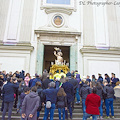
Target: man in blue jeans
(109, 91)
(51, 95)
(69, 90)
(84, 91)
(8, 93)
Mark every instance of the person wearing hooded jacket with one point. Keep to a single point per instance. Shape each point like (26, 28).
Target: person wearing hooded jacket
(84, 91)
(30, 105)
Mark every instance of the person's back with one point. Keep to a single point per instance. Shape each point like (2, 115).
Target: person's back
(44, 75)
(92, 105)
(74, 83)
(51, 96)
(37, 79)
(61, 103)
(8, 97)
(46, 83)
(85, 90)
(30, 105)
(69, 90)
(109, 91)
(8, 91)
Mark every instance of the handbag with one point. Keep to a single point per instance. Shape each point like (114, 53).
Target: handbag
(48, 104)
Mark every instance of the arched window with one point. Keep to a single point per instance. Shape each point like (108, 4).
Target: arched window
(67, 2)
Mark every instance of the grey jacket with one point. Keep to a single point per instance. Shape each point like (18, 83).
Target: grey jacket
(84, 91)
(109, 91)
(100, 92)
(30, 105)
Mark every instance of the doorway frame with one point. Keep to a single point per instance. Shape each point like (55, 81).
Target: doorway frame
(58, 38)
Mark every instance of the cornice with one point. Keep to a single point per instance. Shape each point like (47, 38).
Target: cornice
(16, 47)
(94, 50)
(58, 32)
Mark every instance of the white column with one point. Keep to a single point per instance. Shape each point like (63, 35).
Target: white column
(100, 25)
(14, 16)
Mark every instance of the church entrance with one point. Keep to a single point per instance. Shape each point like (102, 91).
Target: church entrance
(49, 55)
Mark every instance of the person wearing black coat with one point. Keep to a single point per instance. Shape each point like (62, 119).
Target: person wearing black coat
(84, 91)
(45, 83)
(61, 103)
(109, 91)
(107, 78)
(69, 90)
(75, 86)
(100, 92)
(8, 93)
(114, 80)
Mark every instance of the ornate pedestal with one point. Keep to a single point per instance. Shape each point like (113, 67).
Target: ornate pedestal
(55, 67)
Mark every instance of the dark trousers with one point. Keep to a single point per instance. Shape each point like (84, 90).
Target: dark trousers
(73, 102)
(70, 111)
(9, 106)
(16, 99)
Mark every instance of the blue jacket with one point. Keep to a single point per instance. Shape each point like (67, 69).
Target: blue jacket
(114, 81)
(108, 79)
(89, 80)
(69, 90)
(51, 94)
(34, 81)
(100, 79)
(8, 91)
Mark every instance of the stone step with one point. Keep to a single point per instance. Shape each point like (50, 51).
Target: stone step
(77, 113)
(55, 118)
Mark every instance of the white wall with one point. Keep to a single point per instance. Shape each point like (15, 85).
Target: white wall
(14, 60)
(98, 63)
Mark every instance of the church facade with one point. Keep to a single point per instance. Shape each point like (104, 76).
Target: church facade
(87, 33)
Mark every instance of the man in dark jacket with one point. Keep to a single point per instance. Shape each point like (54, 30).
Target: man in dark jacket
(8, 93)
(75, 85)
(69, 90)
(114, 80)
(88, 79)
(100, 78)
(37, 79)
(46, 82)
(51, 95)
(44, 75)
(84, 91)
(109, 91)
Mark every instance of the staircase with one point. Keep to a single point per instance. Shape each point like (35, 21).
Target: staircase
(77, 113)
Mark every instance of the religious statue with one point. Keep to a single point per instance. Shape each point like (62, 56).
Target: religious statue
(58, 54)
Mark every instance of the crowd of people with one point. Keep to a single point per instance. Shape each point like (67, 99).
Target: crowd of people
(29, 95)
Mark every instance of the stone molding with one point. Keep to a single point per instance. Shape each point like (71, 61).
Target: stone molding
(94, 50)
(58, 32)
(16, 47)
(67, 9)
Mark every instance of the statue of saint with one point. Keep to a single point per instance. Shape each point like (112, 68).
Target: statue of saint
(58, 54)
